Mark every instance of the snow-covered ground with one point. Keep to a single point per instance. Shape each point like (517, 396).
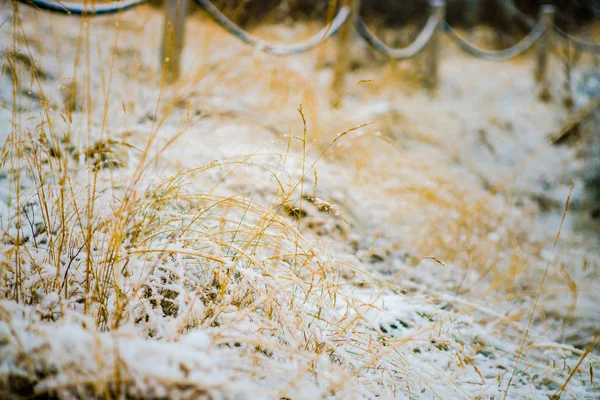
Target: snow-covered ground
(213, 239)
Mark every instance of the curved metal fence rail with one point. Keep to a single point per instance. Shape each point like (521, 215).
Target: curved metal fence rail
(513, 10)
(428, 38)
(273, 48)
(83, 9)
(413, 49)
(500, 55)
(530, 22)
(578, 44)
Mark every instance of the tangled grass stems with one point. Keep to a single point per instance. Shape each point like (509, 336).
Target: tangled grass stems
(134, 277)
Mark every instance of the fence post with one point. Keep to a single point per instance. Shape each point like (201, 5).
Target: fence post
(172, 45)
(342, 65)
(568, 65)
(543, 50)
(437, 7)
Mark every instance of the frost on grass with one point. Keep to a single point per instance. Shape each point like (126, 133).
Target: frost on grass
(135, 265)
(165, 290)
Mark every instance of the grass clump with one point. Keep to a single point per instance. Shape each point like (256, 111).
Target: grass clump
(133, 269)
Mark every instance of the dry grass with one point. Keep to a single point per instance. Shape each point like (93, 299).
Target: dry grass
(155, 246)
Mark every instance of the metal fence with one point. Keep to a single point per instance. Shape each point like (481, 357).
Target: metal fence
(542, 34)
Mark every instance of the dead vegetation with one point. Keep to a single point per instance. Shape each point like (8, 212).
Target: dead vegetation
(156, 243)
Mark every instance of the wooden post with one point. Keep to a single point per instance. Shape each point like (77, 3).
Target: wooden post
(343, 60)
(437, 7)
(543, 50)
(568, 63)
(173, 35)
